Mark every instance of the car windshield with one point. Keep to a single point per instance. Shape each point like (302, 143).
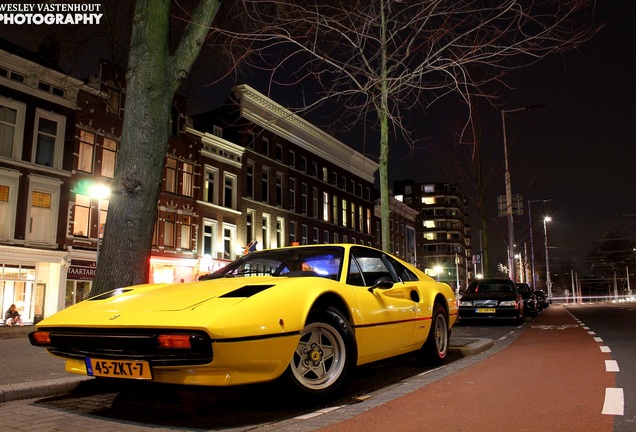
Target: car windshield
(485, 287)
(288, 262)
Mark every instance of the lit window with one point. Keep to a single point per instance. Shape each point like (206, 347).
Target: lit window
(86, 151)
(82, 215)
(171, 175)
(186, 187)
(109, 156)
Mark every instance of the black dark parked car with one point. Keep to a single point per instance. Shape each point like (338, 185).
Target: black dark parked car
(530, 304)
(491, 299)
(542, 299)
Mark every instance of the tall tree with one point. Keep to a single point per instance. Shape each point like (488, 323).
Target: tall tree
(153, 77)
(380, 59)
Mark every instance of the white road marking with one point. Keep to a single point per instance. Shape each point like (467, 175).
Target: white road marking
(614, 401)
(611, 366)
(605, 349)
(591, 332)
(598, 339)
(319, 412)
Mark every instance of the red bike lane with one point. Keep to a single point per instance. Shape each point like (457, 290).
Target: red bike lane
(552, 377)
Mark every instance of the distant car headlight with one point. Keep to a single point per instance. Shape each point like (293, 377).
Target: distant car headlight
(508, 303)
(465, 303)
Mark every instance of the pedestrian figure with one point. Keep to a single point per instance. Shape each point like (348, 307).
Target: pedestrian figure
(12, 316)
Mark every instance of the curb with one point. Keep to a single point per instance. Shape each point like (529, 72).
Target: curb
(471, 346)
(38, 389)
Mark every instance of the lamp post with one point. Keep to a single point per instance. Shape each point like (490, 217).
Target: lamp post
(534, 281)
(511, 230)
(98, 192)
(547, 262)
(438, 269)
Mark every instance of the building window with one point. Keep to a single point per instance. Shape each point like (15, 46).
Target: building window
(185, 240)
(265, 231)
(292, 232)
(279, 189)
(325, 206)
(249, 226)
(81, 218)
(265, 185)
(229, 191)
(325, 174)
(229, 241)
(113, 100)
(171, 175)
(44, 197)
(279, 152)
(209, 238)
(11, 127)
(325, 236)
(280, 232)
(9, 181)
(217, 131)
(344, 213)
(335, 210)
(314, 169)
(315, 206)
(304, 233)
(292, 194)
(303, 164)
(303, 198)
(210, 192)
(186, 178)
(360, 219)
(168, 229)
(335, 237)
(49, 139)
(265, 147)
(109, 157)
(316, 238)
(352, 221)
(250, 179)
(86, 151)
(368, 231)
(292, 159)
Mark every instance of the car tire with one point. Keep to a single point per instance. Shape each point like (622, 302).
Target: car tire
(435, 349)
(324, 357)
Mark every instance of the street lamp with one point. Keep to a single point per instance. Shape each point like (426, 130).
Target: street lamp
(98, 192)
(534, 281)
(547, 262)
(438, 269)
(511, 230)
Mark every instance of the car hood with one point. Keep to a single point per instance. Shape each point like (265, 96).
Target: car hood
(501, 296)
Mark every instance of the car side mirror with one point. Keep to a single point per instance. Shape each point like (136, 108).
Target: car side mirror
(382, 283)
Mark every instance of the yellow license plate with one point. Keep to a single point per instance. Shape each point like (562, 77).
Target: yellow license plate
(486, 310)
(130, 369)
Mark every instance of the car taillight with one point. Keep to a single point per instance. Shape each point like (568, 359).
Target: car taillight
(174, 341)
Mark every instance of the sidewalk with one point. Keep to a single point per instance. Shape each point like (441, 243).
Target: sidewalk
(30, 372)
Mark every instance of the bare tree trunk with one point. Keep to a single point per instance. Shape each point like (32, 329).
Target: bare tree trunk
(153, 77)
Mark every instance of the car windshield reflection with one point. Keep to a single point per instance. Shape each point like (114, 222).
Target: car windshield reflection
(293, 262)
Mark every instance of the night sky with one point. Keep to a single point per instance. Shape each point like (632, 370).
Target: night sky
(578, 151)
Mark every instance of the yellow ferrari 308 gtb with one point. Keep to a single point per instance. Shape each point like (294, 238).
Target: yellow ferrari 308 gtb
(306, 314)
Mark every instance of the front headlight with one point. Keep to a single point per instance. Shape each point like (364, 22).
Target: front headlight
(508, 303)
(466, 303)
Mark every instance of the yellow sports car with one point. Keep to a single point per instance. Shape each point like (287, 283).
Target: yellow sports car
(306, 314)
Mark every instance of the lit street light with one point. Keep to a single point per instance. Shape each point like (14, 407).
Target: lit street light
(98, 192)
(534, 280)
(438, 269)
(547, 262)
(511, 232)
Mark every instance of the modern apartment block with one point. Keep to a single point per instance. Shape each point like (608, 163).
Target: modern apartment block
(250, 174)
(442, 229)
